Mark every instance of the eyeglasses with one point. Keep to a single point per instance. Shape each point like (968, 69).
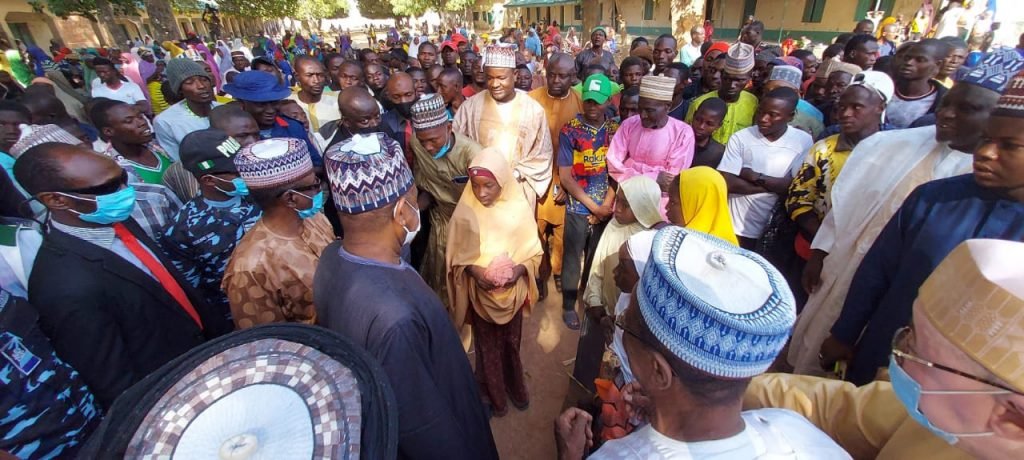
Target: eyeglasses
(105, 188)
(318, 185)
(902, 338)
(620, 322)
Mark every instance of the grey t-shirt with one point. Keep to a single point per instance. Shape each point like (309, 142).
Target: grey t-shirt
(902, 112)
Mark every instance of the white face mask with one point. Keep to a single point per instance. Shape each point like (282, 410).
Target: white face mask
(409, 234)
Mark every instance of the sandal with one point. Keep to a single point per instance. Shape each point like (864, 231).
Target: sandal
(558, 283)
(571, 319)
(542, 290)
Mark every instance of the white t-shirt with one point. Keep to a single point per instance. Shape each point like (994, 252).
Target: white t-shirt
(128, 92)
(769, 433)
(689, 54)
(747, 148)
(901, 113)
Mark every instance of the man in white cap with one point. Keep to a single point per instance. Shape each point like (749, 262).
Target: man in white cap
(653, 144)
(511, 122)
(442, 158)
(860, 112)
(933, 220)
(270, 275)
(693, 343)
(873, 186)
(956, 370)
(739, 62)
(405, 326)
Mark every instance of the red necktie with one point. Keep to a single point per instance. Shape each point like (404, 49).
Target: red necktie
(158, 270)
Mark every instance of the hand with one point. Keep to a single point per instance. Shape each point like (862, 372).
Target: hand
(637, 402)
(665, 180)
(833, 350)
(748, 175)
(561, 197)
(811, 278)
(477, 273)
(518, 272)
(604, 212)
(573, 433)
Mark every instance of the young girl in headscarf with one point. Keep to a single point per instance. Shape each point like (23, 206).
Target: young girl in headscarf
(492, 259)
(636, 210)
(698, 200)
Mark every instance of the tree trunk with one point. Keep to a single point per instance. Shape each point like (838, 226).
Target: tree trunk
(685, 15)
(106, 16)
(165, 26)
(591, 13)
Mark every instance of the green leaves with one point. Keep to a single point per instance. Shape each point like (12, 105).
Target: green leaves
(376, 9)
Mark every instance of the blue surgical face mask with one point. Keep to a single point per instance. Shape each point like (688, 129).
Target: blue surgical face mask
(240, 189)
(446, 148)
(110, 208)
(318, 205)
(909, 393)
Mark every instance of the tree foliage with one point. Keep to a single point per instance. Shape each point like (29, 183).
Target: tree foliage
(418, 7)
(375, 9)
(299, 9)
(85, 8)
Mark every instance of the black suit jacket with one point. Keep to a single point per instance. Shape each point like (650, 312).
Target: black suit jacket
(109, 320)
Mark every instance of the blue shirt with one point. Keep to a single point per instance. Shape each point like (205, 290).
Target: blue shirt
(48, 411)
(934, 219)
(584, 148)
(202, 238)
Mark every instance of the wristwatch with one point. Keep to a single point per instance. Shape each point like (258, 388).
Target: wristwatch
(760, 179)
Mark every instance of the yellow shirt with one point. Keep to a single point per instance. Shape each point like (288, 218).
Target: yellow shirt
(740, 114)
(868, 421)
(812, 186)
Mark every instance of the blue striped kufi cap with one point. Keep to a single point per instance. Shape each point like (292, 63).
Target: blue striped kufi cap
(367, 172)
(994, 71)
(721, 309)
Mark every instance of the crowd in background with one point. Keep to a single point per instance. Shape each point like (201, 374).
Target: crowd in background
(731, 224)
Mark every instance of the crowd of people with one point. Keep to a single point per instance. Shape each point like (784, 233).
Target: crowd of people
(767, 250)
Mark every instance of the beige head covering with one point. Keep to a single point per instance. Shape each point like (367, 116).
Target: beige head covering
(975, 298)
(740, 59)
(657, 87)
(478, 234)
(830, 66)
(644, 197)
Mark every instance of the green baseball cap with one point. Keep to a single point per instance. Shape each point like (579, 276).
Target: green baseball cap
(597, 88)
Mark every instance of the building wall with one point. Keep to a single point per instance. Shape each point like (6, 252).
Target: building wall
(631, 10)
(79, 32)
(787, 16)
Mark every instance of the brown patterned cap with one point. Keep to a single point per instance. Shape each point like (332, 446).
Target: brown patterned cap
(740, 59)
(975, 298)
(657, 87)
(429, 111)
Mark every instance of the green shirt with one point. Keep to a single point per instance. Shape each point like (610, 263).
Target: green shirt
(740, 114)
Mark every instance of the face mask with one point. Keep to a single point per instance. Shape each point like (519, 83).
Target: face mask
(444, 150)
(909, 393)
(241, 189)
(404, 108)
(366, 130)
(409, 234)
(318, 205)
(111, 208)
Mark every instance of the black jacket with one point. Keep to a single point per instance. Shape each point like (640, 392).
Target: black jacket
(109, 320)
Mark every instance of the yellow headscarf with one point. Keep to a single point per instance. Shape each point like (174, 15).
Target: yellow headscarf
(173, 49)
(705, 201)
(478, 234)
